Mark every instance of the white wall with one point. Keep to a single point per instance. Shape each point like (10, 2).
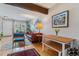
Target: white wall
(73, 30)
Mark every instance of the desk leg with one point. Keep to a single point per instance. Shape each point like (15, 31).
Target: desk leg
(42, 47)
(59, 54)
(63, 49)
(42, 43)
(71, 44)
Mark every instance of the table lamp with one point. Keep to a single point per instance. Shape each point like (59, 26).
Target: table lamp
(39, 26)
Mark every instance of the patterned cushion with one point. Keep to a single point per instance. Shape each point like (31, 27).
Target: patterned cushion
(19, 39)
(73, 52)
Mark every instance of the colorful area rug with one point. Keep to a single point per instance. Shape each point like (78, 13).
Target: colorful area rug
(29, 52)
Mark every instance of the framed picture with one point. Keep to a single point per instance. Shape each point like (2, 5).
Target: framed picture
(60, 20)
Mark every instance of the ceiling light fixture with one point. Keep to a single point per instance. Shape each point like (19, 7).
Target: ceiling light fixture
(28, 16)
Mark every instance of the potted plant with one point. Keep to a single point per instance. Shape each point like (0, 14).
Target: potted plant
(57, 30)
(1, 35)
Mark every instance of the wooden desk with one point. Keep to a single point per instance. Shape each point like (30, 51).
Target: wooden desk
(61, 40)
(39, 37)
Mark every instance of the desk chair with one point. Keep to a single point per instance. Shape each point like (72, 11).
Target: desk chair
(17, 38)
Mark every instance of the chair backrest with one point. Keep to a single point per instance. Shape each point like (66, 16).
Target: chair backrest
(18, 35)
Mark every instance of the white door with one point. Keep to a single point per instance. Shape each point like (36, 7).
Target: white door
(0, 25)
(7, 27)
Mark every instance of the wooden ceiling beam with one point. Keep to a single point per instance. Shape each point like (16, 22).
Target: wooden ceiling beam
(31, 6)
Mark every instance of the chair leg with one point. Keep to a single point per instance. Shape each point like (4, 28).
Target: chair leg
(24, 43)
(12, 45)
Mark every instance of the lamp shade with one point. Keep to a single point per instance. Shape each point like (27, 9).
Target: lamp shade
(39, 26)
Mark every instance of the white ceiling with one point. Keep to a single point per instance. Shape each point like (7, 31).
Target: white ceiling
(46, 5)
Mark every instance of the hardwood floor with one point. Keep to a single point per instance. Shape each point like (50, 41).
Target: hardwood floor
(46, 52)
(38, 46)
